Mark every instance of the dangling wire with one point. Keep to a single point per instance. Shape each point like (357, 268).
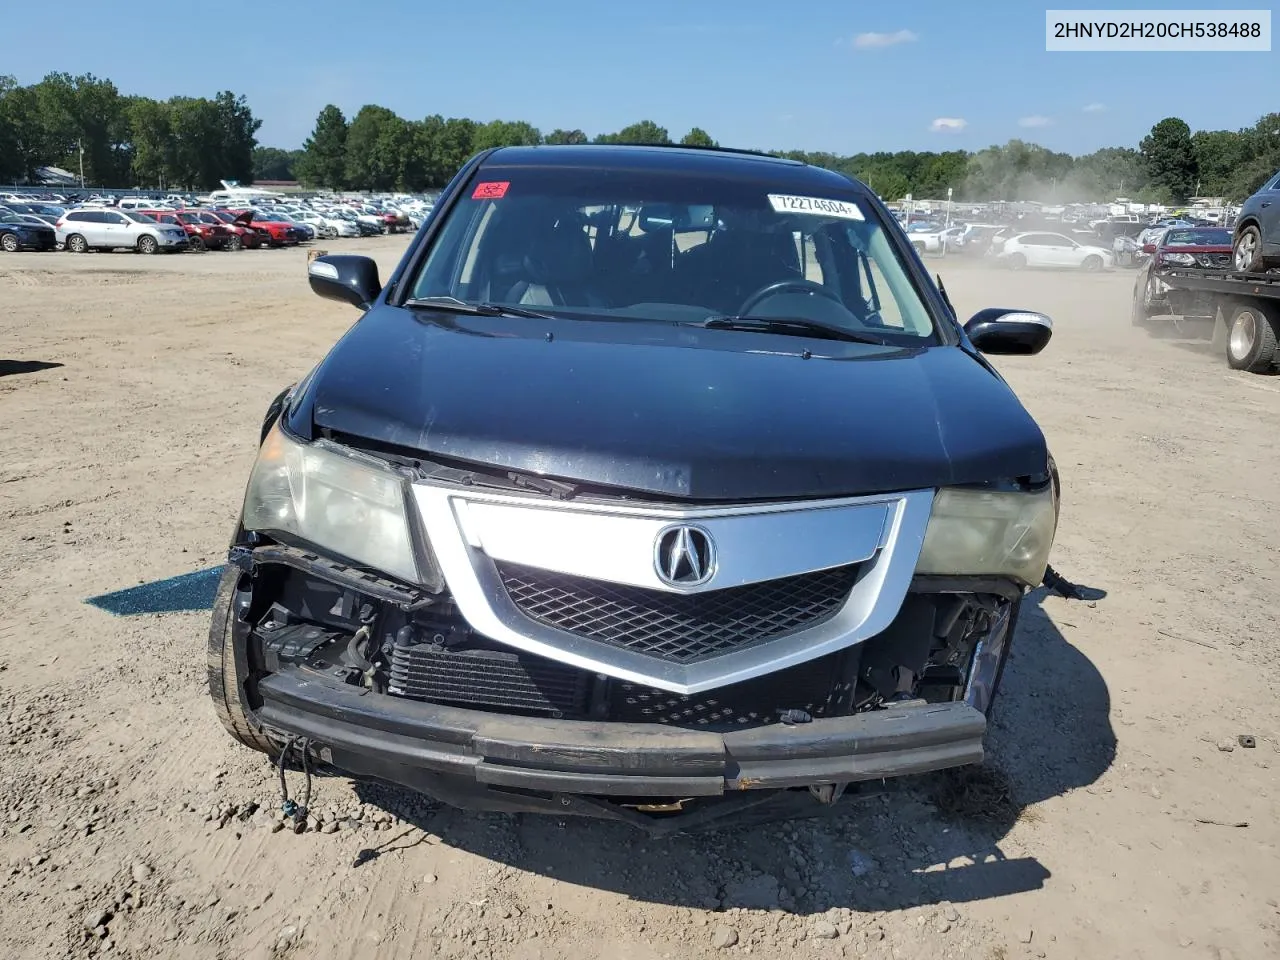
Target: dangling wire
(297, 812)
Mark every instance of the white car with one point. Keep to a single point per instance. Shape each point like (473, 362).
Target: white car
(341, 226)
(323, 228)
(928, 241)
(105, 229)
(1053, 250)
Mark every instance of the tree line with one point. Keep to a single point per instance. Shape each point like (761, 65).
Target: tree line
(64, 121)
(193, 142)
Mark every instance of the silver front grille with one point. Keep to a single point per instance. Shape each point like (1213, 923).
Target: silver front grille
(680, 628)
(583, 583)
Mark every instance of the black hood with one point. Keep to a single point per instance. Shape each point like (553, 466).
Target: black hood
(672, 411)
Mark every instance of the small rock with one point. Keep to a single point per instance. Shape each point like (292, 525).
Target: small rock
(141, 873)
(1026, 935)
(950, 913)
(1226, 746)
(724, 937)
(330, 826)
(429, 878)
(824, 930)
(100, 932)
(96, 918)
(84, 793)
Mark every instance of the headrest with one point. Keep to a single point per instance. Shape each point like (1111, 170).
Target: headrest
(562, 255)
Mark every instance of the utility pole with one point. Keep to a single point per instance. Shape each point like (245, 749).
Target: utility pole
(80, 144)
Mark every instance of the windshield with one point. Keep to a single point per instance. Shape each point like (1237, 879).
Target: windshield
(1198, 238)
(137, 217)
(682, 248)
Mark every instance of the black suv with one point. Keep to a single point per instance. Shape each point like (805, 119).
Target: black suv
(651, 476)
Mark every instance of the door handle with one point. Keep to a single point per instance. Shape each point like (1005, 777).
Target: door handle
(1265, 203)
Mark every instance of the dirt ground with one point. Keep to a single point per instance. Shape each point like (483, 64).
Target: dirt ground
(1118, 817)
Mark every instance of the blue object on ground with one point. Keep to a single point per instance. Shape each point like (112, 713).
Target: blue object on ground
(190, 591)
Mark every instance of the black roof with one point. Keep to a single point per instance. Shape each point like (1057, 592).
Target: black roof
(778, 172)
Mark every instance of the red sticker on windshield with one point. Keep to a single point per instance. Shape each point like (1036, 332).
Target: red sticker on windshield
(491, 190)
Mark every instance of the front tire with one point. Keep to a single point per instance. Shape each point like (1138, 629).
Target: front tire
(148, 245)
(1091, 264)
(197, 244)
(228, 669)
(234, 242)
(1246, 252)
(1251, 339)
(9, 243)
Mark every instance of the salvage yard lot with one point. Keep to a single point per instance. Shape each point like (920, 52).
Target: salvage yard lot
(1115, 823)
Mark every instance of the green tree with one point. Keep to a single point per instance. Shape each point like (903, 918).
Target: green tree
(1170, 158)
(237, 128)
(196, 148)
(22, 147)
(324, 155)
(377, 142)
(1108, 173)
(697, 137)
(272, 163)
(646, 131)
(566, 136)
(505, 133)
(150, 123)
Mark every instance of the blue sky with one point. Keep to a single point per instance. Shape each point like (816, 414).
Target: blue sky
(752, 73)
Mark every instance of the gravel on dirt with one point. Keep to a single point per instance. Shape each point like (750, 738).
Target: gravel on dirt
(131, 390)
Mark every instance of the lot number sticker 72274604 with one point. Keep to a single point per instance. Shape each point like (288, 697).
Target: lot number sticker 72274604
(819, 206)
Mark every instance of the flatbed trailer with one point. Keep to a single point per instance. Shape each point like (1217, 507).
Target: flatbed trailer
(1244, 308)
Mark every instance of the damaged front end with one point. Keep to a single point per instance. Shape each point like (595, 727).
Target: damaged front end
(514, 644)
(391, 683)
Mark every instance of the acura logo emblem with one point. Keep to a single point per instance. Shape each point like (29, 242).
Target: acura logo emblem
(684, 556)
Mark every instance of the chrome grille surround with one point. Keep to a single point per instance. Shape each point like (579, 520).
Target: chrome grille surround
(471, 531)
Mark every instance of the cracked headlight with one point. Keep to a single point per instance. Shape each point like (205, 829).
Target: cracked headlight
(988, 533)
(334, 498)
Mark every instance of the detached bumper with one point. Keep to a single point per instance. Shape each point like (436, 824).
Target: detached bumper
(410, 742)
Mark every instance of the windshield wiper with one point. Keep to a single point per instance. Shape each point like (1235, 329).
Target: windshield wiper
(790, 326)
(454, 305)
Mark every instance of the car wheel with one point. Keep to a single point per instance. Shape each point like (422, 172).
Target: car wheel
(918, 247)
(233, 242)
(228, 669)
(147, 244)
(77, 244)
(1092, 263)
(1251, 339)
(9, 242)
(1246, 254)
(1017, 261)
(197, 244)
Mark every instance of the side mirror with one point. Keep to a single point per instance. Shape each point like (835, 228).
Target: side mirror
(345, 278)
(1001, 331)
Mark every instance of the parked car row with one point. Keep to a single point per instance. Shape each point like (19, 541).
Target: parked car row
(150, 225)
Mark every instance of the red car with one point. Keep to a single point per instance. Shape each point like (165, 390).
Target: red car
(202, 233)
(283, 233)
(240, 225)
(1196, 248)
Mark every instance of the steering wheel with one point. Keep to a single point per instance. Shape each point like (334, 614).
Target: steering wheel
(781, 286)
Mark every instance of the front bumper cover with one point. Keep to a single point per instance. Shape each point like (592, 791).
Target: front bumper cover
(410, 743)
